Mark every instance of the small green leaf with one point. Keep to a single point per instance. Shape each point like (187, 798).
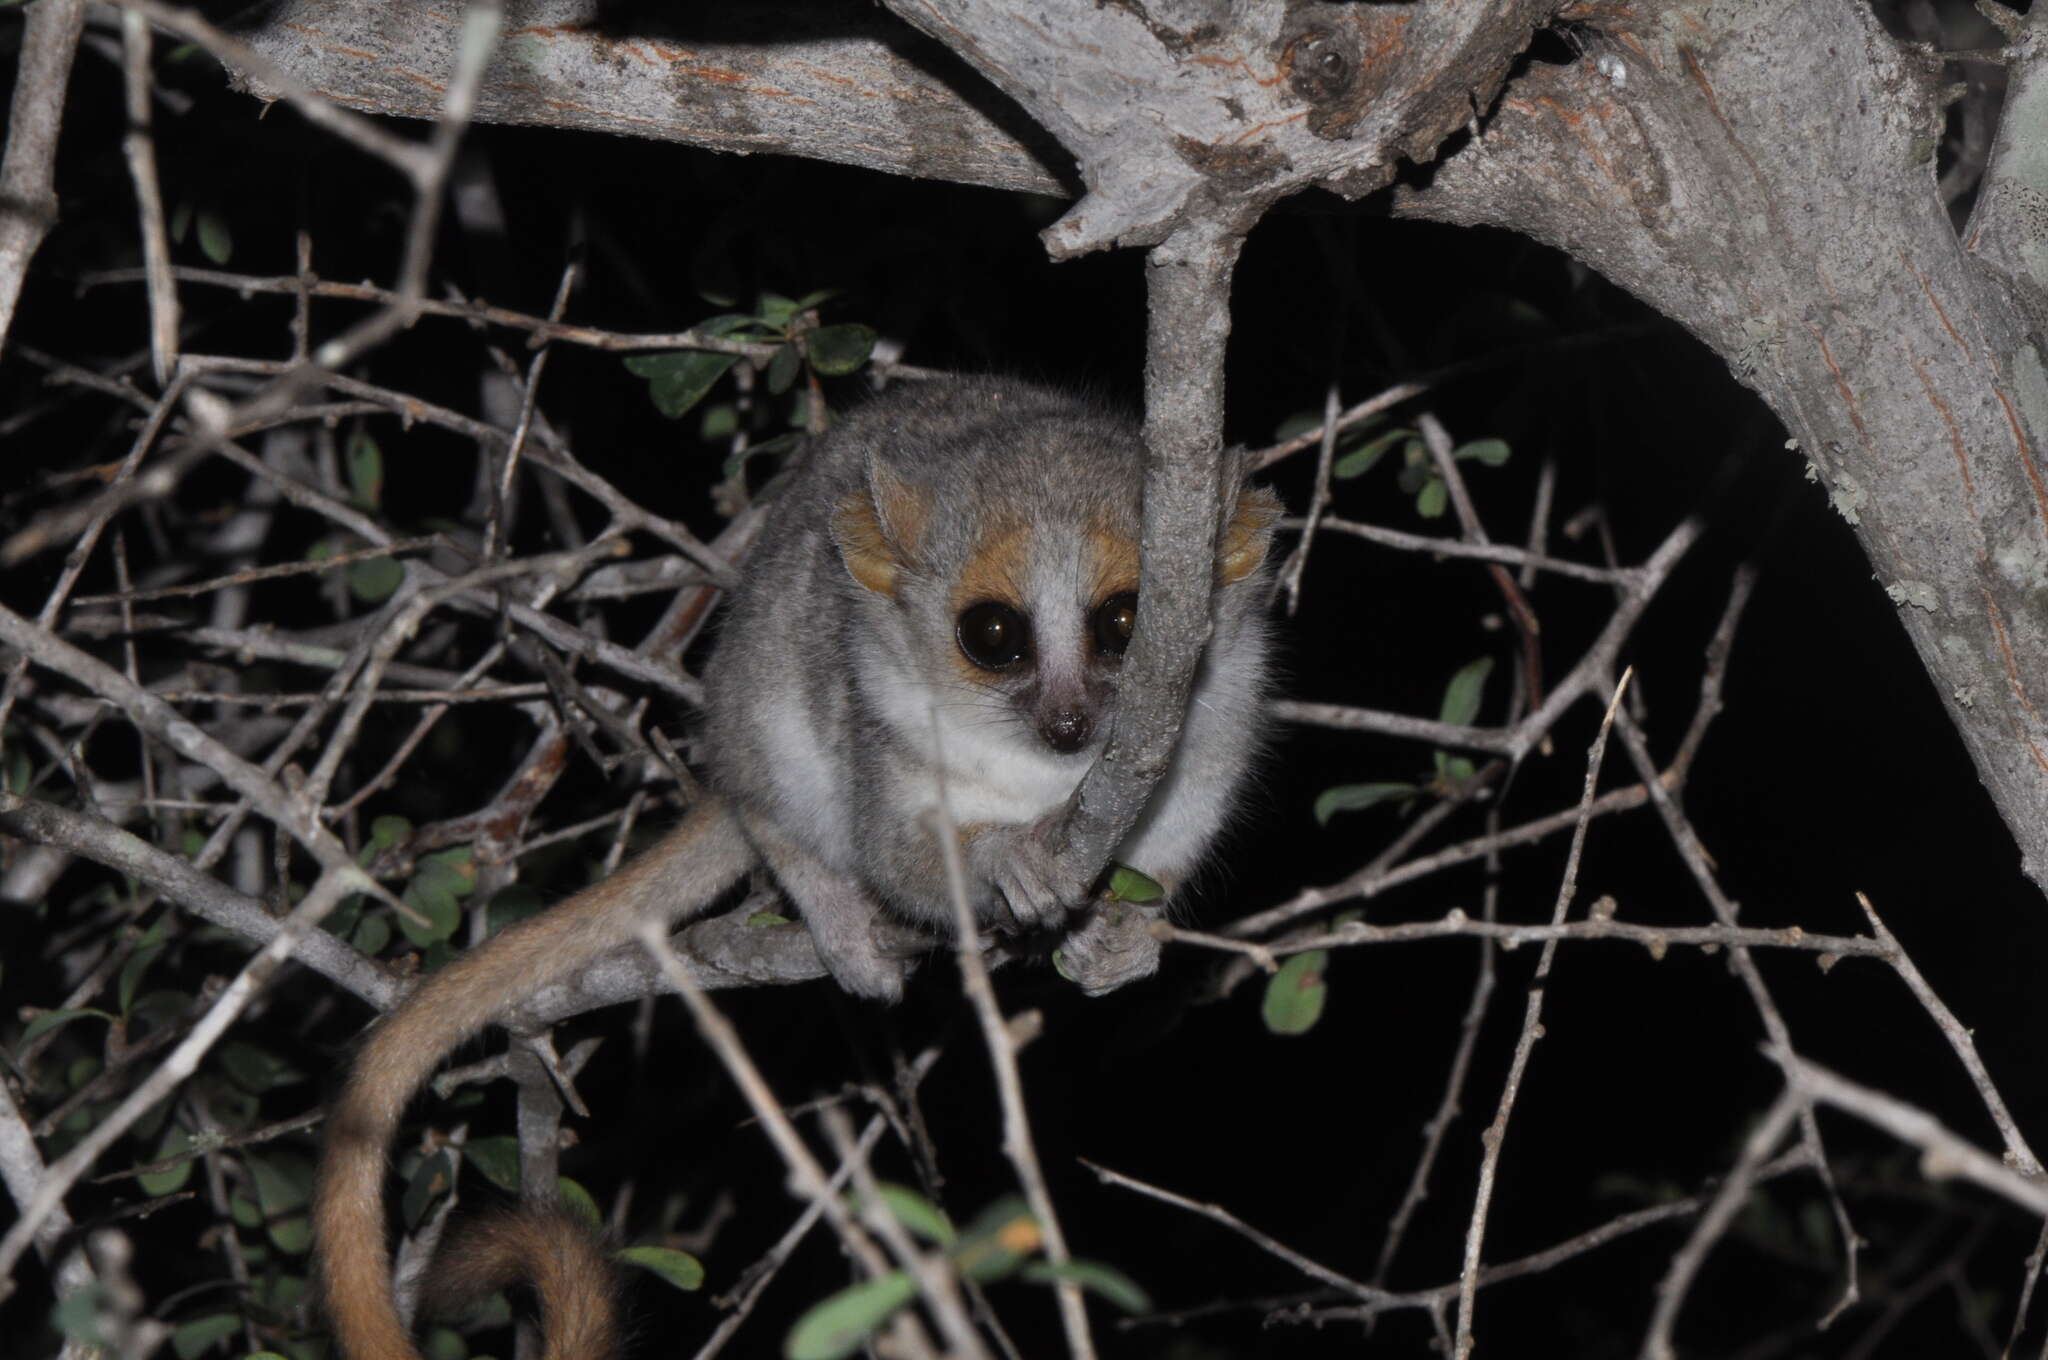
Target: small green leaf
(256, 1069)
(216, 240)
(1295, 994)
(175, 1142)
(767, 918)
(580, 1205)
(513, 902)
(1108, 1281)
(284, 1185)
(776, 311)
(783, 369)
(1059, 964)
(1462, 695)
(365, 470)
(998, 1241)
(20, 771)
(842, 1323)
(181, 221)
(1434, 498)
(721, 420)
(1456, 769)
(373, 579)
(386, 832)
(917, 1213)
(437, 909)
(371, 935)
(678, 379)
(77, 1315)
(780, 444)
(679, 1268)
(433, 1178)
(1360, 456)
(444, 1343)
(835, 350)
(195, 1338)
(497, 1158)
(50, 1020)
(1491, 452)
(1416, 468)
(146, 950)
(1357, 797)
(1130, 885)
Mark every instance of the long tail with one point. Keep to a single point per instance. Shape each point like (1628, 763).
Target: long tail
(684, 873)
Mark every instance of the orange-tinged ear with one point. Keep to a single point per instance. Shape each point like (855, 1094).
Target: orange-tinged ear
(878, 527)
(1245, 538)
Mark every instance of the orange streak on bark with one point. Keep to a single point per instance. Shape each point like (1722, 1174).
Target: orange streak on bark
(1955, 436)
(2019, 439)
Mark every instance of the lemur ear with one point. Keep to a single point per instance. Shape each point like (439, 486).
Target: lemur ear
(1243, 549)
(878, 527)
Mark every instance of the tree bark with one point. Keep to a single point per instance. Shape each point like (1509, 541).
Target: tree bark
(1760, 171)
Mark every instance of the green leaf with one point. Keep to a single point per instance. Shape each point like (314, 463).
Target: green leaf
(776, 311)
(256, 1069)
(195, 1338)
(50, 1020)
(767, 918)
(1108, 1281)
(1435, 496)
(373, 579)
(284, 1186)
(1457, 769)
(1416, 469)
(679, 1268)
(1295, 994)
(842, 1323)
(917, 1213)
(836, 350)
(433, 1178)
(365, 470)
(175, 1142)
(998, 1241)
(147, 948)
(1491, 452)
(444, 1343)
(386, 832)
(181, 221)
(497, 1158)
(783, 369)
(20, 771)
(371, 935)
(816, 297)
(1462, 695)
(215, 237)
(678, 379)
(1357, 797)
(780, 444)
(77, 1315)
(1129, 885)
(580, 1205)
(513, 902)
(1359, 456)
(721, 420)
(437, 908)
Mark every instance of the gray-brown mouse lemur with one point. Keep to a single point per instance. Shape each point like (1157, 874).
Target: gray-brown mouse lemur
(937, 608)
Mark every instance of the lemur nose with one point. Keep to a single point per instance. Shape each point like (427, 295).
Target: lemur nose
(1066, 730)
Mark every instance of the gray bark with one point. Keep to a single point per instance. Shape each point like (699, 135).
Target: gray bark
(1761, 171)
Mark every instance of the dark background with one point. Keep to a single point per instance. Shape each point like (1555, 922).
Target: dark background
(1831, 770)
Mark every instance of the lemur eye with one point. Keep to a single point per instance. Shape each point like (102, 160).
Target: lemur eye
(993, 635)
(1113, 623)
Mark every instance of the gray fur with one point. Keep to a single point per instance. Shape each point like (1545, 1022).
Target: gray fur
(837, 712)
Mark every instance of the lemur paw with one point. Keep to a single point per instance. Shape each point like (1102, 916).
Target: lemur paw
(1019, 861)
(1110, 945)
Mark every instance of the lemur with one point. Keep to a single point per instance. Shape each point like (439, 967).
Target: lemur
(937, 608)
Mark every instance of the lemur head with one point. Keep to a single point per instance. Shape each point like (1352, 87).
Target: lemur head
(1015, 580)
